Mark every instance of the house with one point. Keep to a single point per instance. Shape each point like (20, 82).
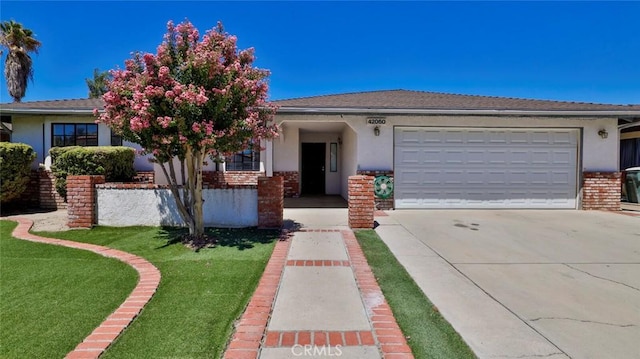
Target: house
(437, 150)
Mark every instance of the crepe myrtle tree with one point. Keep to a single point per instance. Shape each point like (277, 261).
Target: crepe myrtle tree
(195, 98)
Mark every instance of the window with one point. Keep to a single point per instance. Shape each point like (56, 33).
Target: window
(74, 134)
(333, 157)
(247, 160)
(115, 139)
(5, 128)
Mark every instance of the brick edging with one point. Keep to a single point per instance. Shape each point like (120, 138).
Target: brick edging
(387, 333)
(288, 339)
(101, 337)
(251, 328)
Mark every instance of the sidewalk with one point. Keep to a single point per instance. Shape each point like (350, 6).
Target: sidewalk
(318, 299)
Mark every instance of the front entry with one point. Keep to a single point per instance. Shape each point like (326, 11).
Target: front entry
(313, 168)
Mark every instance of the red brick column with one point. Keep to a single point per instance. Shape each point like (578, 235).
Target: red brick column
(361, 201)
(81, 209)
(270, 202)
(601, 191)
(291, 183)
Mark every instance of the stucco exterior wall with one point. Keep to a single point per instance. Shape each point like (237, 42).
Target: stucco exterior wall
(28, 129)
(156, 207)
(597, 154)
(376, 152)
(141, 162)
(36, 132)
(286, 149)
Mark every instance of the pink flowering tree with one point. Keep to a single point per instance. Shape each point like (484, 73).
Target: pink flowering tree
(194, 100)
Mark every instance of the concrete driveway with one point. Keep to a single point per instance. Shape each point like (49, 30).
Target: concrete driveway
(527, 284)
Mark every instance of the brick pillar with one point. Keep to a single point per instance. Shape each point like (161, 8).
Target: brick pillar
(270, 202)
(49, 197)
(601, 191)
(361, 201)
(81, 209)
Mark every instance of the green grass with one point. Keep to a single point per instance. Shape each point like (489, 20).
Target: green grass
(52, 297)
(200, 295)
(429, 335)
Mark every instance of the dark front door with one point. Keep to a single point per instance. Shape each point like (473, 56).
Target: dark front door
(313, 163)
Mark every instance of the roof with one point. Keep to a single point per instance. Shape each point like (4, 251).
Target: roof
(70, 106)
(392, 101)
(421, 100)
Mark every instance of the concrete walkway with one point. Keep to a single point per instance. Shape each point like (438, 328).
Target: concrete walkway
(318, 299)
(149, 278)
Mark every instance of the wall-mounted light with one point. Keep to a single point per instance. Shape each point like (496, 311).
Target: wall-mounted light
(603, 133)
(340, 140)
(376, 130)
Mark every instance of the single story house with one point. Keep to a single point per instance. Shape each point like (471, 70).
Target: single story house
(436, 150)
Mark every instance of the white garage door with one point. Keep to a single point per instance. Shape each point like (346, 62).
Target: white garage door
(485, 168)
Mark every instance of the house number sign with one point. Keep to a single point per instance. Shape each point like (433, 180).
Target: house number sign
(376, 121)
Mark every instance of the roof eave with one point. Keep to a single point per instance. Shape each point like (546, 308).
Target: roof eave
(47, 111)
(414, 111)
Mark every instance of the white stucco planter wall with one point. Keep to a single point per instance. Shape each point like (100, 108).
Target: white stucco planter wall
(156, 207)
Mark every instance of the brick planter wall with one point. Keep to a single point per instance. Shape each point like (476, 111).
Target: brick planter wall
(291, 182)
(81, 209)
(230, 179)
(270, 202)
(49, 198)
(30, 198)
(601, 191)
(382, 204)
(145, 177)
(361, 202)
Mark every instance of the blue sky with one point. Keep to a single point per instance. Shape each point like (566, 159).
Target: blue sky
(575, 51)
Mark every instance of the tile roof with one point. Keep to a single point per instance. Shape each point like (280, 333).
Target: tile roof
(406, 99)
(387, 99)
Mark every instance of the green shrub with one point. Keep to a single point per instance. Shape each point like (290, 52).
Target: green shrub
(115, 163)
(15, 167)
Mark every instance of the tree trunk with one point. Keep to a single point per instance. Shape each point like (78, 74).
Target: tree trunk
(190, 203)
(198, 213)
(184, 211)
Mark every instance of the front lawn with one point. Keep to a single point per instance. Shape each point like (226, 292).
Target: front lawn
(200, 295)
(52, 297)
(429, 334)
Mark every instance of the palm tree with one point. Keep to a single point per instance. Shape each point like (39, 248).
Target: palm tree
(18, 65)
(98, 85)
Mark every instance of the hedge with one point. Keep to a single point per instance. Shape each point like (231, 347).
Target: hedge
(15, 168)
(114, 162)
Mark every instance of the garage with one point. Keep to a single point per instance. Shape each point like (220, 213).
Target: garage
(451, 167)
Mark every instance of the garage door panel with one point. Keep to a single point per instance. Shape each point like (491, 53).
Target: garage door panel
(482, 168)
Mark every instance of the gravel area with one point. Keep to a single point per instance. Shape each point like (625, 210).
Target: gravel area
(50, 221)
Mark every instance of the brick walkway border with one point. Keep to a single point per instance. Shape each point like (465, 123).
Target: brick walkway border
(101, 337)
(251, 332)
